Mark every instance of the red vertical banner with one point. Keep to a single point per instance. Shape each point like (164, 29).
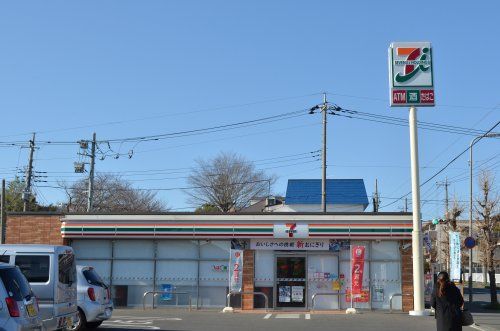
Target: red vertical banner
(358, 264)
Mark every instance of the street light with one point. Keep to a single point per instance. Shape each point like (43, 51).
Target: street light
(476, 139)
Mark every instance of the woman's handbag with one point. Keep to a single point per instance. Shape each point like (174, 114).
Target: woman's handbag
(467, 318)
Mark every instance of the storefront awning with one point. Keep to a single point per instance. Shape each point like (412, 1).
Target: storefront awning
(334, 226)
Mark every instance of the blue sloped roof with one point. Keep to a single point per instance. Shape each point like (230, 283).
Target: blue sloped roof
(338, 191)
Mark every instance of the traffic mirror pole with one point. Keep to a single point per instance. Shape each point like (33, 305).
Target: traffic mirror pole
(417, 243)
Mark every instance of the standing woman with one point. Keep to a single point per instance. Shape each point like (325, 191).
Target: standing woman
(447, 301)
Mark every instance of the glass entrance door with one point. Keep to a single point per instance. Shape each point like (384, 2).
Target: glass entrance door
(290, 281)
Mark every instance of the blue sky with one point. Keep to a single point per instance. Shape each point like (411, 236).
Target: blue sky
(133, 68)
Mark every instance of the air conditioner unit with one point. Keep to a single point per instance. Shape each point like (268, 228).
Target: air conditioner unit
(271, 201)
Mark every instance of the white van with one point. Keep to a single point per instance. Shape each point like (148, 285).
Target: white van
(51, 272)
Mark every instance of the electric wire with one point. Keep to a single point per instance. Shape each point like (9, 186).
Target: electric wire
(448, 164)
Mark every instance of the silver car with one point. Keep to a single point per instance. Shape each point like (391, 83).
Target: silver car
(93, 299)
(51, 272)
(18, 306)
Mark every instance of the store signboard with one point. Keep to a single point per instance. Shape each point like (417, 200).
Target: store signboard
(358, 264)
(291, 230)
(411, 78)
(455, 256)
(236, 270)
(290, 244)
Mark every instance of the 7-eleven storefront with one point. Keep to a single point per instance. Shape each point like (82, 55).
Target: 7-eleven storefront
(288, 256)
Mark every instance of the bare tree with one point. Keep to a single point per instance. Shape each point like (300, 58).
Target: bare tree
(228, 181)
(112, 194)
(487, 223)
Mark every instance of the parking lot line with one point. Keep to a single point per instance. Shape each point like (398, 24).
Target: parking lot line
(267, 316)
(288, 316)
(308, 316)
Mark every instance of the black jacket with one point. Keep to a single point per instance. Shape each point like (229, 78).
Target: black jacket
(448, 308)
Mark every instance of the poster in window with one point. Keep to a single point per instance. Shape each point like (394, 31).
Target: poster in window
(297, 293)
(284, 293)
(378, 293)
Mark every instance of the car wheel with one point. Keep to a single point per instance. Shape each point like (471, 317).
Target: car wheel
(93, 325)
(81, 323)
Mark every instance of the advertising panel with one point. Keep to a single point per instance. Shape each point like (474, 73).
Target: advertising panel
(362, 297)
(411, 77)
(236, 270)
(167, 292)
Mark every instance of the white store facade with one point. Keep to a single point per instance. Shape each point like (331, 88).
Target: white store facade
(288, 256)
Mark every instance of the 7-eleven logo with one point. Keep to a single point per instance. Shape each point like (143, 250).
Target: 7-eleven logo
(291, 228)
(417, 60)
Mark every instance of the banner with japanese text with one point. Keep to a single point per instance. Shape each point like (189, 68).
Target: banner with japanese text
(358, 264)
(455, 258)
(290, 244)
(236, 270)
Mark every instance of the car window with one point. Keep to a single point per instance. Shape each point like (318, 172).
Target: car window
(16, 285)
(4, 258)
(67, 268)
(34, 267)
(93, 277)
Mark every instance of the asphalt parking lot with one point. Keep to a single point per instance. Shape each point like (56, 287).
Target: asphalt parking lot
(174, 320)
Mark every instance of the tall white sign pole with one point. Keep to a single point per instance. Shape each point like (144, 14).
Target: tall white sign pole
(417, 245)
(411, 84)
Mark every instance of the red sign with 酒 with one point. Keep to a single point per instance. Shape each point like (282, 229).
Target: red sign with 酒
(358, 264)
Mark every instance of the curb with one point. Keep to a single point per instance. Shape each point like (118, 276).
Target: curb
(482, 328)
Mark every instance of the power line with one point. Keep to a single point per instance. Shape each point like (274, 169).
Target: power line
(164, 115)
(404, 122)
(448, 164)
(448, 148)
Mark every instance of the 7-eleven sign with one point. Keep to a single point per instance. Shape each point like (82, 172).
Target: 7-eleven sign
(410, 74)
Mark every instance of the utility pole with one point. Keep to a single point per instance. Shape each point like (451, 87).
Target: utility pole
(3, 219)
(446, 199)
(324, 110)
(446, 210)
(406, 205)
(29, 176)
(91, 175)
(376, 200)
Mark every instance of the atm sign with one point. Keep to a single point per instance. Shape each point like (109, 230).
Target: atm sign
(413, 97)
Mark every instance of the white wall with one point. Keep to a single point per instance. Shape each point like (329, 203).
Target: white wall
(479, 277)
(317, 208)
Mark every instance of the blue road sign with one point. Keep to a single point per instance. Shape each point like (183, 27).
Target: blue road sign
(469, 242)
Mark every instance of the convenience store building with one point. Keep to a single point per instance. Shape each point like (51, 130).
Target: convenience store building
(288, 256)
(290, 252)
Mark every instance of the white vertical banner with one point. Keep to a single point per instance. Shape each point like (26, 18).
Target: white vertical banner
(236, 270)
(455, 263)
